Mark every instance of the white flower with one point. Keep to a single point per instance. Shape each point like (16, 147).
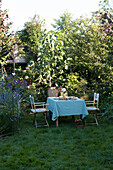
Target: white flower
(27, 68)
(13, 74)
(63, 90)
(26, 77)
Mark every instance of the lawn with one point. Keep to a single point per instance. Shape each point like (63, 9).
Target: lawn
(58, 148)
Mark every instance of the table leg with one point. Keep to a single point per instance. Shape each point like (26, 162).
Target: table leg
(57, 122)
(34, 118)
(50, 115)
(83, 120)
(73, 117)
(81, 117)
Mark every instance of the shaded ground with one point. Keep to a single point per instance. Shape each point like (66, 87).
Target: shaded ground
(65, 147)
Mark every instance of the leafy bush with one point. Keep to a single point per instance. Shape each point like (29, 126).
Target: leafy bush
(37, 85)
(75, 85)
(108, 108)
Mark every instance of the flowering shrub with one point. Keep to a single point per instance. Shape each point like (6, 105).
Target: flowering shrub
(12, 93)
(9, 101)
(16, 85)
(36, 87)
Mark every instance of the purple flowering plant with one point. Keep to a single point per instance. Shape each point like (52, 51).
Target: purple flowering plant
(13, 91)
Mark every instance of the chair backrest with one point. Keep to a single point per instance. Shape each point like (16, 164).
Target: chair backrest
(31, 101)
(96, 98)
(52, 92)
(35, 105)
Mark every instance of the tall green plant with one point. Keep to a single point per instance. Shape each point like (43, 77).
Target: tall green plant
(50, 59)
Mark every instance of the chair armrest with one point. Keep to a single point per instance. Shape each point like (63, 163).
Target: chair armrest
(46, 104)
(39, 102)
(42, 105)
(89, 101)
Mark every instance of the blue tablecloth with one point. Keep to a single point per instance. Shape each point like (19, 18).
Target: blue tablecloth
(66, 107)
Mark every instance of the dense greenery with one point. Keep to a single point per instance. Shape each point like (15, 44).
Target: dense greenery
(77, 54)
(82, 46)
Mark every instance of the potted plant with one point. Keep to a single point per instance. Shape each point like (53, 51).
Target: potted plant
(79, 123)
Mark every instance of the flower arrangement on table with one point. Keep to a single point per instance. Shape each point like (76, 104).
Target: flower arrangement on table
(63, 92)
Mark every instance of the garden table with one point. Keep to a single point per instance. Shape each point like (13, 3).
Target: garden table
(66, 107)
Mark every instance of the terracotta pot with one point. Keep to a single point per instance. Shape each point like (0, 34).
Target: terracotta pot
(79, 126)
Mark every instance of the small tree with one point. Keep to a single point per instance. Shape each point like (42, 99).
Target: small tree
(31, 37)
(104, 17)
(7, 39)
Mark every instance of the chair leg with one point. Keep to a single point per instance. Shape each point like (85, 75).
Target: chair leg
(57, 122)
(35, 121)
(39, 125)
(45, 116)
(95, 116)
(50, 115)
(85, 121)
(96, 122)
(73, 117)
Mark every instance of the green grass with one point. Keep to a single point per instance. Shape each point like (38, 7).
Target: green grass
(62, 148)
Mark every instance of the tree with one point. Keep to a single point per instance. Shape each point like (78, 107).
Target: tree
(86, 50)
(104, 17)
(74, 46)
(7, 39)
(31, 36)
(64, 22)
(45, 50)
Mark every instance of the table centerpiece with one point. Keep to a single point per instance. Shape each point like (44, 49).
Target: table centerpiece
(63, 92)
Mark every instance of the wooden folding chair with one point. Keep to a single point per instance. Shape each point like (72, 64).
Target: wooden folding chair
(37, 108)
(92, 107)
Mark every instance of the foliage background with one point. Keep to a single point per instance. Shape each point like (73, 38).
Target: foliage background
(83, 46)
(77, 54)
